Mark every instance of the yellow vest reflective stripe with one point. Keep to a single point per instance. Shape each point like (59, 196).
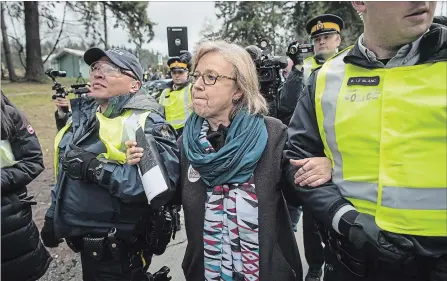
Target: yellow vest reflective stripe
(7, 157)
(384, 131)
(176, 105)
(57, 140)
(309, 65)
(112, 134)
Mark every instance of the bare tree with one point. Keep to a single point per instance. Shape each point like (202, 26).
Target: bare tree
(6, 47)
(34, 64)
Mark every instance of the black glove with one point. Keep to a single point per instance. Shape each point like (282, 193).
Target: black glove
(390, 247)
(80, 164)
(48, 236)
(297, 57)
(160, 275)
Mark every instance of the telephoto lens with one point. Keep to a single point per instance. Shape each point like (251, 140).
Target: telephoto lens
(58, 73)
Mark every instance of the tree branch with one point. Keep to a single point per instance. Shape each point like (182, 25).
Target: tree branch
(59, 36)
(19, 50)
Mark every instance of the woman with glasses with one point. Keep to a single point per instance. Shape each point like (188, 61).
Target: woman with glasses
(236, 218)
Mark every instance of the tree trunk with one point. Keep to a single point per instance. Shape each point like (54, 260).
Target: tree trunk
(34, 64)
(7, 49)
(104, 16)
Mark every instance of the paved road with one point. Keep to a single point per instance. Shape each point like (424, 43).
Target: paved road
(174, 255)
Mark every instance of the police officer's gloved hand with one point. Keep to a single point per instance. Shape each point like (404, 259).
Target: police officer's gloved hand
(47, 234)
(161, 275)
(297, 57)
(390, 247)
(79, 164)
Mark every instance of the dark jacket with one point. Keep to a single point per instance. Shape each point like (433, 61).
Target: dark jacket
(23, 255)
(118, 200)
(305, 141)
(279, 256)
(290, 91)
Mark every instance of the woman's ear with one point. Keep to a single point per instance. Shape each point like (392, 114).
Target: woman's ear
(237, 95)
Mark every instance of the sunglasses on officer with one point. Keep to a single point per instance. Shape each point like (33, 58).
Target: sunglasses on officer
(109, 69)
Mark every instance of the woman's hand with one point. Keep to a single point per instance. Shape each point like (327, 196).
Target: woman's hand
(133, 153)
(313, 172)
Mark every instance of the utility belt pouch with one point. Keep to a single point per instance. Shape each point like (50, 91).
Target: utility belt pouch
(94, 247)
(113, 244)
(159, 231)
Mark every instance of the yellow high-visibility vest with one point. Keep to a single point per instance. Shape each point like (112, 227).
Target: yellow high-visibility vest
(6, 156)
(176, 104)
(309, 65)
(112, 134)
(385, 132)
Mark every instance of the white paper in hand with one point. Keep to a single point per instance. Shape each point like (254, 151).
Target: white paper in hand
(153, 180)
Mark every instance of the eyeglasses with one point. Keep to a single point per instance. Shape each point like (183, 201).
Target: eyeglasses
(209, 77)
(109, 69)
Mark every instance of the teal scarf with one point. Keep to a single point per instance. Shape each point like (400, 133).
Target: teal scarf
(236, 160)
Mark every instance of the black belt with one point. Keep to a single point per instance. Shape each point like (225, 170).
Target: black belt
(97, 247)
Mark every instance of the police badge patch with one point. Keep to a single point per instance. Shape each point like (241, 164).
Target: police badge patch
(320, 25)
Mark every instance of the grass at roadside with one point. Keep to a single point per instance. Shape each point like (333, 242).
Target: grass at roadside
(34, 100)
(34, 88)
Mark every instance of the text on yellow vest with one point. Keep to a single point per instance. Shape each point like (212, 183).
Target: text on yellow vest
(385, 132)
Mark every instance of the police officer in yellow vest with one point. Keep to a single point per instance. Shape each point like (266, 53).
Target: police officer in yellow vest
(377, 110)
(324, 31)
(177, 97)
(98, 203)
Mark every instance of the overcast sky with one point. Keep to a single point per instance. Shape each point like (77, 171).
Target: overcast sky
(193, 15)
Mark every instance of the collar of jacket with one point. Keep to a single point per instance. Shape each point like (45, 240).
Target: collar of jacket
(432, 47)
(319, 59)
(181, 86)
(141, 100)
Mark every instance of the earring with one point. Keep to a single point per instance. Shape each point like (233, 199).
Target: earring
(235, 101)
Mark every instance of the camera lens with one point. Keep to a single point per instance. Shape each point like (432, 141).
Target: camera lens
(293, 50)
(57, 73)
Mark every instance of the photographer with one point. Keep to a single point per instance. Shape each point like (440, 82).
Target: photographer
(269, 69)
(62, 112)
(325, 34)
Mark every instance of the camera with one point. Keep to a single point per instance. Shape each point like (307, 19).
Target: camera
(78, 89)
(267, 67)
(298, 48)
(55, 73)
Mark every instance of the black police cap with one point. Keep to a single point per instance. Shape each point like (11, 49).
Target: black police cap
(182, 62)
(324, 24)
